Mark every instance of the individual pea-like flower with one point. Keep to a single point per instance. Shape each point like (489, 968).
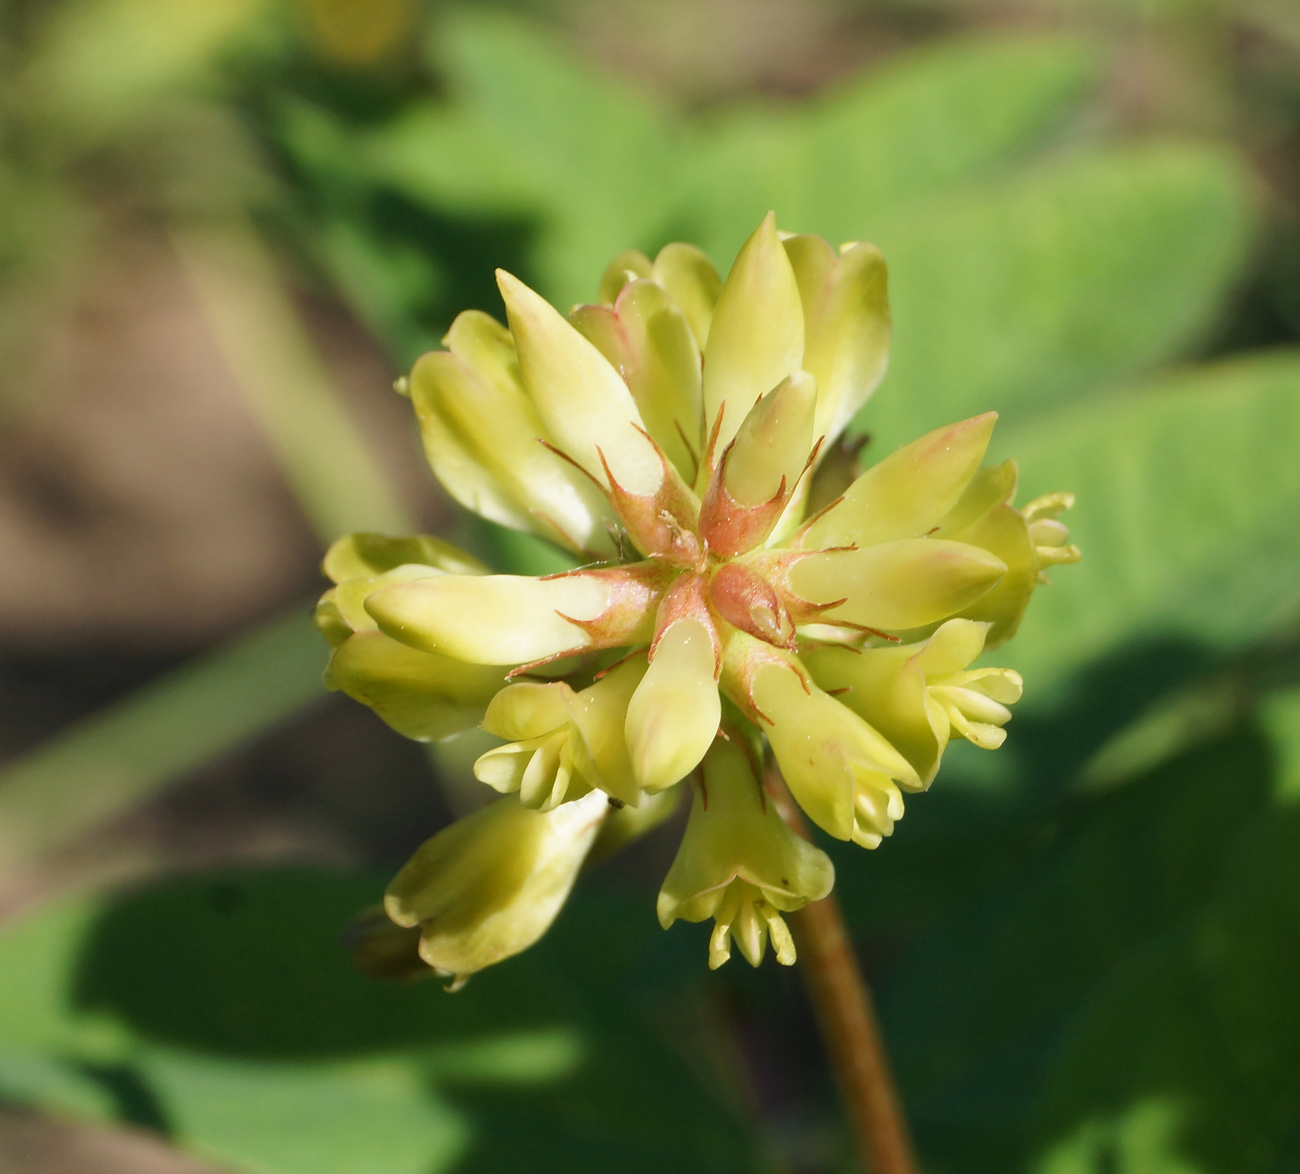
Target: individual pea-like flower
(564, 743)
(919, 695)
(740, 864)
(669, 438)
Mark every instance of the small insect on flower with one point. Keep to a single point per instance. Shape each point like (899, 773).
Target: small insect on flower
(670, 438)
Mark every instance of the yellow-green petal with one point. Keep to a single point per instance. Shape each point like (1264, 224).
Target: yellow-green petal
(527, 709)
(647, 338)
(490, 619)
(886, 687)
(483, 441)
(908, 493)
(629, 265)
(822, 747)
(584, 404)
(349, 597)
(734, 832)
(420, 694)
(599, 715)
(364, 556)
(897, 585)
(673, 716)
(772, 445)
(756, 337)
(688, 275)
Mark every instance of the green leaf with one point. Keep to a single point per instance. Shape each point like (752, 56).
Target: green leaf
(103, 63)
(309, 1119)
(226, 1004)
(1188, 490)
(844, 163)
(1280, 716)
(1208, 1027)
(1054, 282)
(1125, 990)
(531, 131)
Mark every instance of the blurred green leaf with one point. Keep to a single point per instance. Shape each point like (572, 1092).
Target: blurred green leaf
(530, 131)
(103, 62)
(1280, 716)
(124, 753)
(1187, 495)
(225, 1002)
(1046, 1035)
(846, 162)
(1208, 1028)
(309, 1119)
(1048, 284)
(293, 397)
(48, 1080)
(38, 956)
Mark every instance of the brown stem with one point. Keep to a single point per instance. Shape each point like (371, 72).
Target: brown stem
(847, 1018)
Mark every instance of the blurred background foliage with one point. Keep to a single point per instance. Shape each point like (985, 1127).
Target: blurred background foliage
(229, 223)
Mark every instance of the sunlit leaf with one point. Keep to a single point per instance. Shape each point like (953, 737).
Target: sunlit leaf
(1056, 282)
(844, 163)
(1188, 490)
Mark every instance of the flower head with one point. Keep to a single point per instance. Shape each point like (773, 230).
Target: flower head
(667, 437)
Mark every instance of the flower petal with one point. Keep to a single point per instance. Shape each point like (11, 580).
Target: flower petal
(908, 493)
(491, 619)
(629, 265)
(348, 599)
(756, 338)
(688, 275)
(420, 694)
(1005, 535)
(647, 339)
(850, 348)
(897, 585)
(989, 487)
(673, 716)
(954, 645)
(483, 440)
(528, 709)
(584, 404)
(821, 746)
(364, 556)
(886, 687)
(771, 447)
(599, 714)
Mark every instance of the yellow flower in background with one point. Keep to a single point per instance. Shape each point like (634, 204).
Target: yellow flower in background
(669, 437)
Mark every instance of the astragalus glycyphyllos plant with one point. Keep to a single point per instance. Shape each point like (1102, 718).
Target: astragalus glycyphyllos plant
(673, 438)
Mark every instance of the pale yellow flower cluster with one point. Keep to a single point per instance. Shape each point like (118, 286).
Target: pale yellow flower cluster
(672, 437)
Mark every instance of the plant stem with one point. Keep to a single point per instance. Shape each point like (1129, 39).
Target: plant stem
(847, 1018)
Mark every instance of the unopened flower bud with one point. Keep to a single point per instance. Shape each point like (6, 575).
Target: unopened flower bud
(490, 885)
(919, 695)
(772, 446)
(840, 770)
(673, 716)
(756, 336)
